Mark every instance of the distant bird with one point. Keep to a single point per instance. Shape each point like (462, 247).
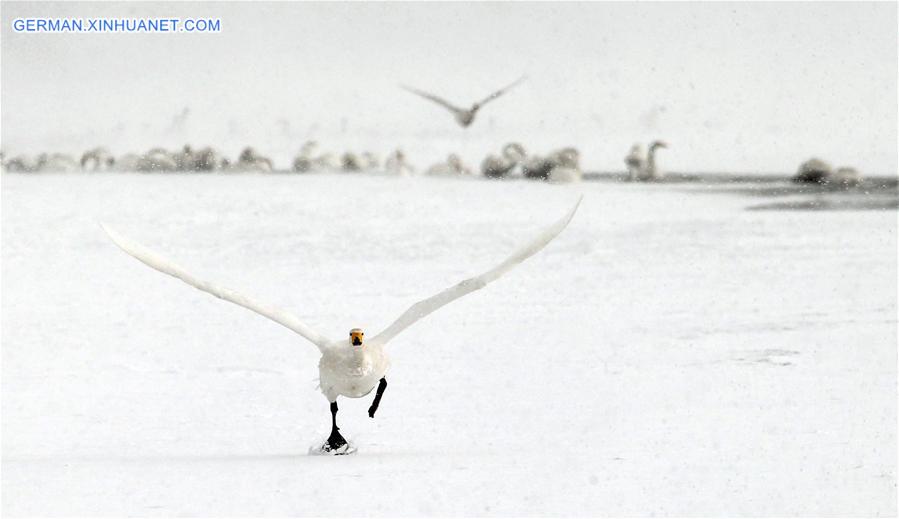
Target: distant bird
(20, 164)
(396, 164)
(250, 160)
(566, 166)
(306, 160)
(634, 162)
(816, 171)
(97, 159)
(846, 177)
(536, 167)
(349, 161)
(650, 171)
(206, 159)
(559, 166)
(157, 159)
(463, 116)
(127, 162)
(499, 167)
(452, 167)
(58, 162)
(369, 160)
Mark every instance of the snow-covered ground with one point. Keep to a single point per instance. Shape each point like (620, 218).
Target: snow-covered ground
(669, 353)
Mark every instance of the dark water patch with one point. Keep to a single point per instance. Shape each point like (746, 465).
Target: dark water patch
(832, 204)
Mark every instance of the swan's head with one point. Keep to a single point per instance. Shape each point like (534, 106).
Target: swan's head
(514, 152)
(659, 144)
(356, 337)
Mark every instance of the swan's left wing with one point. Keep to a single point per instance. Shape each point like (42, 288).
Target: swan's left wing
(502, 91)
(155, 261)
(427, 306)
(431, 97)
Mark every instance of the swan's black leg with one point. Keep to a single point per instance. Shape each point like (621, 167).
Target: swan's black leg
(382, 385)
(335, 441)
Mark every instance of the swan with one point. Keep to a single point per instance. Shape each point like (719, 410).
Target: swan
(97, 159)
(250, 160)
(566, 166)
(635, 162)
(20, 164)
(817, 171)
(563, 162)
(463, 116)
(651, 172)
(184, 160)
(206, 159)
(814, 170)
(537, 167)
(157, 159)
(355, 366)
(369, 160)
(127, 162)
(349, 161)
(54, 163)
(846, 176)
(499, 167)
(304, 162)
(396, 164)
(453, 166)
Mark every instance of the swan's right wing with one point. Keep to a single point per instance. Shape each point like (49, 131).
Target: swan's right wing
(431, 97)
(427, 306)
(153, 260)
(502, 91)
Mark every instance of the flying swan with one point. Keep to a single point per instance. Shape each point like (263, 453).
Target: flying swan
(351, 368)
(464, 116)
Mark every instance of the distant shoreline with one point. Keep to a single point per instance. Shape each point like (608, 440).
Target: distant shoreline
(869, 182)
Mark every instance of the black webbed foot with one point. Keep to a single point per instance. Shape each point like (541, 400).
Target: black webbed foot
(335, 442)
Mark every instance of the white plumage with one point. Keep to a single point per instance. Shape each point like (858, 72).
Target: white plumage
(348, 368)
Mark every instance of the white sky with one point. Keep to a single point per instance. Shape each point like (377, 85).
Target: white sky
(732, 87)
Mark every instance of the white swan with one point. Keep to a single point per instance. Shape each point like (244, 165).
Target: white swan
(305, 162)
(559, 166)
(369, 160)
(846, 176)
(127, 162)
(817, 171)
(97, 159)
(566, 166)
(157, 159)
(349, 161)
(452, 167)
(651, 171)
(251, 160)
(499, 167)
(351, 368)
(463, 116)
(635, 161)
(396, 164)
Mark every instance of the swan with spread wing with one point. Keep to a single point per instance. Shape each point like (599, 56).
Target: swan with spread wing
(356, 366)
(464, 116)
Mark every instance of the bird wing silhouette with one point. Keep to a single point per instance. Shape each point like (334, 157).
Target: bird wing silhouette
(503, 90)
(155, 261)
(431, 97)
(427, 306)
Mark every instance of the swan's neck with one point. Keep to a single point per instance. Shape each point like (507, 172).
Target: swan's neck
(358, 355)
(651, 162)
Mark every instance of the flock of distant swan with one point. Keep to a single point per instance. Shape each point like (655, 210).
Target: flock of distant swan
(560, 166)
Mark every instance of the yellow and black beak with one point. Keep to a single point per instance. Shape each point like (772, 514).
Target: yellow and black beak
(356, 337)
